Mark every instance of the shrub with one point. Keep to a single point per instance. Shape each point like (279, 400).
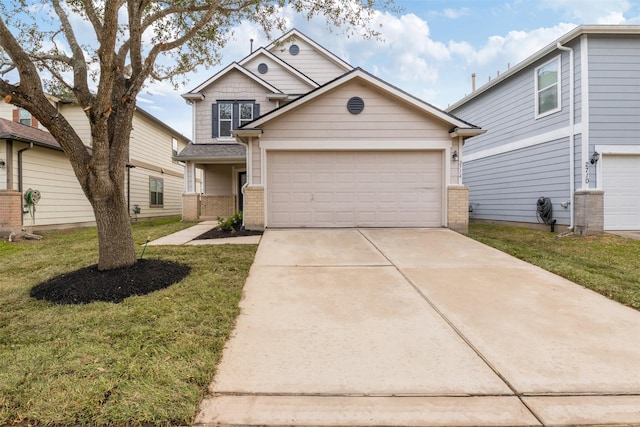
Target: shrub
(231, 223)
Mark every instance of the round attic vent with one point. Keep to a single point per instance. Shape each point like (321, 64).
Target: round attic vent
(263, 68)
(294, 49)
(355, 105)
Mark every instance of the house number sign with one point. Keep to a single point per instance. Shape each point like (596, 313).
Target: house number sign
(586, 169)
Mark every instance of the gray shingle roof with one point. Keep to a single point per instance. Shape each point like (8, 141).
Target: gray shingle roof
(216, 151)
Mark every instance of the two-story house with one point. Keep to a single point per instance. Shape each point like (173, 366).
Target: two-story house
(32, 163)
(562, 125)
(294, 136)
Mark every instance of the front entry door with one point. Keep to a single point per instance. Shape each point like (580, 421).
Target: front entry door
(242, 180)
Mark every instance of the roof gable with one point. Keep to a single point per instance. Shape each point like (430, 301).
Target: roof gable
(196, 93)
(291, 70)
(294, 34)
(380, 85)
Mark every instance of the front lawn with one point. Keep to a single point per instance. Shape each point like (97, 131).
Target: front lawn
(145, 361)
(607, 264)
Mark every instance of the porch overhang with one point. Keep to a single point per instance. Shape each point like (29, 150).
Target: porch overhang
(466, 132)
(246, 133)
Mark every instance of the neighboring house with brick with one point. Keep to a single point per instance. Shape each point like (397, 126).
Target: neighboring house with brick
(31, 159)
(294, 136)
(564, 125)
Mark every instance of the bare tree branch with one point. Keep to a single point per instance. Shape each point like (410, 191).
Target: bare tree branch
(81, 88)
(92, 16)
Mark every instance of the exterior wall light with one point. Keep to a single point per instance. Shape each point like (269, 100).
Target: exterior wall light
(595, 157)
(2, 164)
(454, 156)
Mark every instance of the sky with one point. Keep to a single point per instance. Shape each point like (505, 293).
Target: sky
(429, 48)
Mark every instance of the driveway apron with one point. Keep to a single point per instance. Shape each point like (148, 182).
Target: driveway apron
(419, 327)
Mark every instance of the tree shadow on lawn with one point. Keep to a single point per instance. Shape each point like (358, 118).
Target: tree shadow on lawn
(90, 284)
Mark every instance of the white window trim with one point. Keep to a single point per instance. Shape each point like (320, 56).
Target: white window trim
(220, 120)
(559, 85)
(240, 119)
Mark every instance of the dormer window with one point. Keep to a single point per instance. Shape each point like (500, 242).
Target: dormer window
(229, 115)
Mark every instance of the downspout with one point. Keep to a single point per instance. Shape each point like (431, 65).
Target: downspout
(20, 176)
(572, 178)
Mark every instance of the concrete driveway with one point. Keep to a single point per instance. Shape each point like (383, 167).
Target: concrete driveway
(420, 327)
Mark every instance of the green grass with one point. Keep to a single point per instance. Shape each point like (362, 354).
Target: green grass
(606, 263)
(145, 361)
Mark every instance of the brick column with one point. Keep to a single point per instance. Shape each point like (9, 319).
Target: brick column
(190, 207)
(253, 214)
(10, 210)
(589, 212)
(458, 208)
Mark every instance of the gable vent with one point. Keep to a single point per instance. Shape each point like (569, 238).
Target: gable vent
(263, 68)
(355, 105)
(294, 49)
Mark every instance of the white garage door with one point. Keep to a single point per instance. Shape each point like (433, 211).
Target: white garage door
(621, 185)
(354, 189)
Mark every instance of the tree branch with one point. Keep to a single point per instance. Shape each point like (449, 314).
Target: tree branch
(80, 74)
(93, 17)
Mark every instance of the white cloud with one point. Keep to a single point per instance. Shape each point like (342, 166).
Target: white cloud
(590, 11)
(452, 13)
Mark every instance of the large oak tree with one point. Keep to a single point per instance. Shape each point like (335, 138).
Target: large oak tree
(103, 52)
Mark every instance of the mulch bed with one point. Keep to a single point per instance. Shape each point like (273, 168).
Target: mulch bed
(90, 284)
(220, 234)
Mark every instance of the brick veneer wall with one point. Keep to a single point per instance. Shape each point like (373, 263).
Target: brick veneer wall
(253, 208)
(215, 206)
(589, 212)
(190, 207)
(10, 210)
(458, 208)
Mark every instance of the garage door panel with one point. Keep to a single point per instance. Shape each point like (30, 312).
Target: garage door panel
(621, 185)
(349, 189)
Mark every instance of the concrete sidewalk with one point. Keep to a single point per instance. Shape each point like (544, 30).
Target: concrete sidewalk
(420, 328)
(187, 236)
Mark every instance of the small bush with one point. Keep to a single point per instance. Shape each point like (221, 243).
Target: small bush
(232, 223)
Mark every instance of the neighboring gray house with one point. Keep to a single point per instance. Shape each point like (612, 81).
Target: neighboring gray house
(565, 125)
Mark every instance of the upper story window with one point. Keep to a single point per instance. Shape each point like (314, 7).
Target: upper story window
(25, 117)
(548, 88)
(174, 148)
(229, 115)
(22, 116)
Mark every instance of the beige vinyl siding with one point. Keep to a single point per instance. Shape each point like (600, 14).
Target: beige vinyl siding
(382, 119)
(218, 180)
(151, 143)
(62, 200)
(278, 76)
(256, 162)
(6, 110)
(140, 195)
(78, 120)
(232, 86)
(309, 61)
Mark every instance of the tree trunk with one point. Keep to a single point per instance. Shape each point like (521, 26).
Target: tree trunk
(115, 239)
